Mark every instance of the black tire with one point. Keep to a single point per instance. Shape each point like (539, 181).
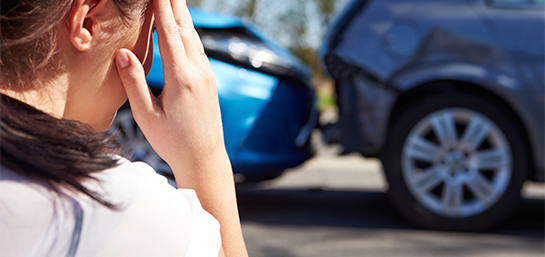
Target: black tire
(413, 209)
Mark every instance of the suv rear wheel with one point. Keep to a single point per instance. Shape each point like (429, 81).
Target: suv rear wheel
(455, 161)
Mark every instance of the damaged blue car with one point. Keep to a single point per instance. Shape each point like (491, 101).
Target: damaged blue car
(266, 97)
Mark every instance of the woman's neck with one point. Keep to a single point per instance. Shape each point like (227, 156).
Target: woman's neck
(48, 96)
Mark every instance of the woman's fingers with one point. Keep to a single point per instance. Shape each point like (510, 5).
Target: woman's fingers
(133, 78)
(170, 43)
(181, 14)
(192, 42)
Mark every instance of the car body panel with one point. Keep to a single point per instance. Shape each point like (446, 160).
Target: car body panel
(262, 118)
(390, 47)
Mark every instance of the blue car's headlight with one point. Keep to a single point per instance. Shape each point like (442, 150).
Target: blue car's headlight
(241, 47)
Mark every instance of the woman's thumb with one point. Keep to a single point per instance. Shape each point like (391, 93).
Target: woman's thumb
(133, 78)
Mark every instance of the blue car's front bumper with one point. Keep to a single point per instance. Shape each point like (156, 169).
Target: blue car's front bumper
(263, 117)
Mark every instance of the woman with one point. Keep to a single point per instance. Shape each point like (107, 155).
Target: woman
(67, 66)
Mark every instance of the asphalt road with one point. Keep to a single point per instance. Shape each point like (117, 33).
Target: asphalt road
(337, 206)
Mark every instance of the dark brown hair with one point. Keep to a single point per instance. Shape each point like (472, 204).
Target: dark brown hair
(56, 151)
(62, 153)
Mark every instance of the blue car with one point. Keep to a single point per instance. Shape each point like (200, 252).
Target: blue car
(266, 96)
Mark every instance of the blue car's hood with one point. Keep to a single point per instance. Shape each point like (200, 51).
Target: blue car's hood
(213, 20)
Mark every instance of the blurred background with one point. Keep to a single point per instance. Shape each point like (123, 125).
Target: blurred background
(297, 25)
(378, 127)
(388, 68)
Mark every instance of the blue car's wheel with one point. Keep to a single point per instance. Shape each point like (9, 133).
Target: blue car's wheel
(455, 161)
(135, 145)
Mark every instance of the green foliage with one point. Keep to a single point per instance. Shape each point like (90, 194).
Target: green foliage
(327, 9)
(326, 100)
(247, 9)
(194, 3)
(294, 23)
(309, 56)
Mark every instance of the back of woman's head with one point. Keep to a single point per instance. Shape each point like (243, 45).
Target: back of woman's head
(37, 145)
(28, 43)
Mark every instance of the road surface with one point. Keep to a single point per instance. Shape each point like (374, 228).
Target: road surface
(337, 206)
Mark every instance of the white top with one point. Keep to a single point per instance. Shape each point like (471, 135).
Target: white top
(154, 218)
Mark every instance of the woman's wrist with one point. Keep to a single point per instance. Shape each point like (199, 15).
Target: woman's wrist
(212, 179)
(196, 164)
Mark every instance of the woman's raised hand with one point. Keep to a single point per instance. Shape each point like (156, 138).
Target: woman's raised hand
(183, 124)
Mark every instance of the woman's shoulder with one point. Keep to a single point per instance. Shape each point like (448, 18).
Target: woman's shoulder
(128, 170)
(123, 182)
(26, 212)
(157, 215)
(151, 217)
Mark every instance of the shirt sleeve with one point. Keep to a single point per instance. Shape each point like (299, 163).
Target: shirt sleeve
(205, 239)
(159, 220)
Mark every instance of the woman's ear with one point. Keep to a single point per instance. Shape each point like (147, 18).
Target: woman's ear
(82, 23)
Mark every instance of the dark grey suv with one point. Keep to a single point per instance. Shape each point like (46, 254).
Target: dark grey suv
(450, 95)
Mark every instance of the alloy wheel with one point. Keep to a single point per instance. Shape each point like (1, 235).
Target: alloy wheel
(456, 162)
(136, 147)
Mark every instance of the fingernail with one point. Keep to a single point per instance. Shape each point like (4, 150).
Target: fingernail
(122, 59)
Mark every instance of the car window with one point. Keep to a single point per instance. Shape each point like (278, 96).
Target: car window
(529, 4)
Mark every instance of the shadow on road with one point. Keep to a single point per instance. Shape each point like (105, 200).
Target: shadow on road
(359, 209)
